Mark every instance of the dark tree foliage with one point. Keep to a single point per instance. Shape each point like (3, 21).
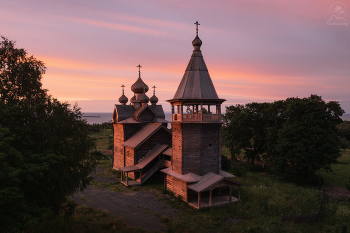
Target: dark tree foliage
(302, 137)
(297, 136)
(245, 128)
(44, 144)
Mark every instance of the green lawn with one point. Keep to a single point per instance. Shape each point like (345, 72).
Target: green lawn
(102, 138)
(341, 171)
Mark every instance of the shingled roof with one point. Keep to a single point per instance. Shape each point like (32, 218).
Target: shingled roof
(141, 136)
(196, 82)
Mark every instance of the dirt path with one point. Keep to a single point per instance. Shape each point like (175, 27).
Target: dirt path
(143, 209)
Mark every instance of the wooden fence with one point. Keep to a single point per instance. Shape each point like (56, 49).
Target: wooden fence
(310, 218)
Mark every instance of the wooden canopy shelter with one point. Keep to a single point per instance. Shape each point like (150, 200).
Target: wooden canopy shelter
(210, 182)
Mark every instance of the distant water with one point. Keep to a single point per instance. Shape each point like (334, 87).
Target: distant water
(97, 117)
(101, 117)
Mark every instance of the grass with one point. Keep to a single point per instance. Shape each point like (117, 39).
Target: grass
(85, 219)
(102, 138)
(264, 199)
(341, 171)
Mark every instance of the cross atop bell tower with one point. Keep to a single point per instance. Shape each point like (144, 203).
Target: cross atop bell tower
(196, 23)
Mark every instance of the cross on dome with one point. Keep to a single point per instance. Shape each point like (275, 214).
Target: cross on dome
(123, 88)
(139, 66)
(154, 90)
(196, 23)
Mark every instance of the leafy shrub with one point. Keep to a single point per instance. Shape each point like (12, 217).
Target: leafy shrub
(255, 168)
(239, 171)
(225, 163)
(95, 127)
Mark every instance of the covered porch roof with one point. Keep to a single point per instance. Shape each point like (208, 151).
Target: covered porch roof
(211, 180)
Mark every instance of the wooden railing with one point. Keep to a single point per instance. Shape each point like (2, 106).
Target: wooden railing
(196, 117)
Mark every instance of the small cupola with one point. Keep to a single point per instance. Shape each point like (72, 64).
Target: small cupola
(154, 99)
(123, 99)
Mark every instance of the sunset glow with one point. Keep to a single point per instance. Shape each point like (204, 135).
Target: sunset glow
(255, 51)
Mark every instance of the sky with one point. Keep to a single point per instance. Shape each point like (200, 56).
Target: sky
(255, 51)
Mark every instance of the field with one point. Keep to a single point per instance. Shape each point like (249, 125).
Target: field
(264, 198)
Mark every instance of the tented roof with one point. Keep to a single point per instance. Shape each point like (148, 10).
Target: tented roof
(196, 82)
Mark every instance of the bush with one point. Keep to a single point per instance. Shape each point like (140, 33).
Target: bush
(239, 171)
(225, 163)
(255, 168)
(95, 128)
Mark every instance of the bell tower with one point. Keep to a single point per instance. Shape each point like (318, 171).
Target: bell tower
(196, 119)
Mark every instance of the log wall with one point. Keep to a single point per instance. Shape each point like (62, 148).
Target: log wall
(177, 148)
(118, 149)
(211, 148)
(191, 148)
(178, 187)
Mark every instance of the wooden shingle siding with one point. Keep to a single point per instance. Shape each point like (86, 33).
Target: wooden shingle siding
(146, 115)
(178, 187)
(177, 148)
(210, 148)
(131, 129)
(118, 160)
(191, 148)
(196, 148)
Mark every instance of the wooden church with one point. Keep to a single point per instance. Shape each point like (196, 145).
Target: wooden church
(189, 155)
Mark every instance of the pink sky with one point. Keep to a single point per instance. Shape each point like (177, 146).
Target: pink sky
(256, 51)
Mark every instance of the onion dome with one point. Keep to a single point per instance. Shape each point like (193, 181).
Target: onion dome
(197, 43)
(144, 98)
(133, 99)
(139, 86)
(123, 99)
(153, 99)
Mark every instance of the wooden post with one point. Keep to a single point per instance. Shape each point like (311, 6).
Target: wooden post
(239, 193)
(210, 195)
(208, 109)
(127, 180)
(219, 112)
(182, 111)
(201, 112)
(199, 199)
(121, 178)
(230, 199)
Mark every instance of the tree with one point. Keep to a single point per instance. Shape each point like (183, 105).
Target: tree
(44, 144)
(245, 128)
(302, 137)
